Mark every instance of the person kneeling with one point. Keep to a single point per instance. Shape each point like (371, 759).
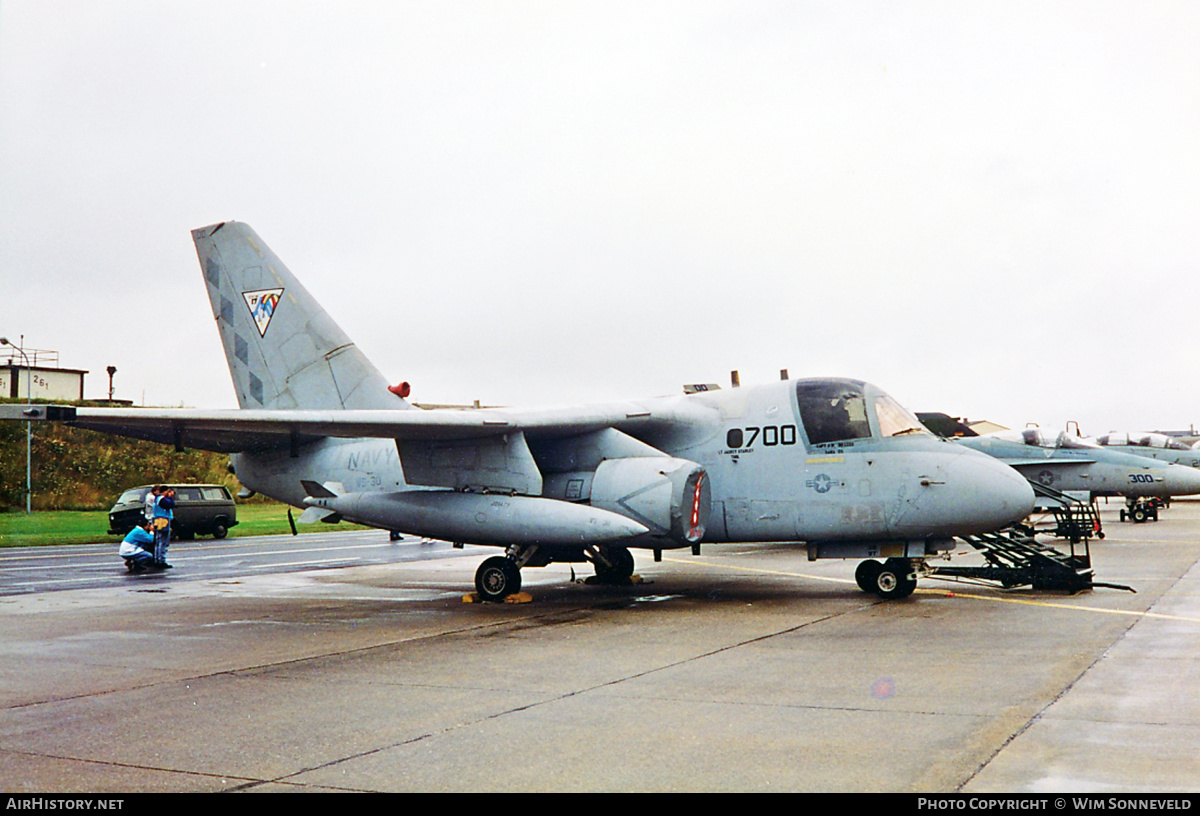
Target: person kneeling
(133, 548)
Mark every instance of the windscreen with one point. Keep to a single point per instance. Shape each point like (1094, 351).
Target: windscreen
(895, 419)
(132, 496)
(832, 411)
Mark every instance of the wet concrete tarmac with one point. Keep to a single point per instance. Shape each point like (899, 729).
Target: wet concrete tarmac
(743, 669)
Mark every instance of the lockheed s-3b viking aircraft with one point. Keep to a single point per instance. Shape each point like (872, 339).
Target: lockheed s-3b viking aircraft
(835, 464)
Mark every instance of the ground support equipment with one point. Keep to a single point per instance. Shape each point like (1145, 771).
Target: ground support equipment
(1145, 509)
(1015, 558)
(1074, 520)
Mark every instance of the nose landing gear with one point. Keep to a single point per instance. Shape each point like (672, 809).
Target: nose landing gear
(895, 578)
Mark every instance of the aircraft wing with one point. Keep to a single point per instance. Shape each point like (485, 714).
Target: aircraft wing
(243, 430)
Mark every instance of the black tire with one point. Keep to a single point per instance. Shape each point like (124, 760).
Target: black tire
(892, 582)
(220, 530)
(1138, 514)
(865, 575)
(497, 578)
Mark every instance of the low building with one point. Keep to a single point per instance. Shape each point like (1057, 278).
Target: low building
(42, 379)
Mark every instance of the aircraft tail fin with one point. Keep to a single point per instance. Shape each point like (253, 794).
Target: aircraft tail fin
(283, 349)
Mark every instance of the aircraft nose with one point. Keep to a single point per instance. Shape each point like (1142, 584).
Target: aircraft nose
(1002, 496)
(975, 493)
(1181, 480)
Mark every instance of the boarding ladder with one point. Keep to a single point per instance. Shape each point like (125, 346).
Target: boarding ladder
(1015, 557)
(1074, 520)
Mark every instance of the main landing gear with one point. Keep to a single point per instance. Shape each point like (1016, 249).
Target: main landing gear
(500, 576)
(614, 565)
(895, 578)
(497, 578)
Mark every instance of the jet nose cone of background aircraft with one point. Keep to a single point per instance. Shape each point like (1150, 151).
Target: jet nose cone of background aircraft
(1181, 480)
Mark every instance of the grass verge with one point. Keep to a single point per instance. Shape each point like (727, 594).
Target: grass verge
(18, 529)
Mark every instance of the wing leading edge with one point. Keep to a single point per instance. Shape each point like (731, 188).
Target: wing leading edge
(249, 430)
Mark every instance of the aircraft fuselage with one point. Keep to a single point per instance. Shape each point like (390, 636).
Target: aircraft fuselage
(765, 480)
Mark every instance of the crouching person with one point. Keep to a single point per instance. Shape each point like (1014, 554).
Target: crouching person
(134, 548)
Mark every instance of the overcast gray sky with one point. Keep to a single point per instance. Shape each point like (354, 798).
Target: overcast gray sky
(985, 208)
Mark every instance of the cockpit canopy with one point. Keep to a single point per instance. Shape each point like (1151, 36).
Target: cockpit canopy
(1029, 436)
(1141, 440)
(840, 410)
(1035, 437)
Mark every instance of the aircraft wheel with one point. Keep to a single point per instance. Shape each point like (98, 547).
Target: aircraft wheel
(1138, 514)
(622, 565)
(865, 575)
(497, 578)
(892, 581)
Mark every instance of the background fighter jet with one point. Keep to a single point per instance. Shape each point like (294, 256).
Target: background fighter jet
(1154, 445)
(1068, 463)
(834, 463)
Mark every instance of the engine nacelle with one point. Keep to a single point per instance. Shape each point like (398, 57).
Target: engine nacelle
(670, 496)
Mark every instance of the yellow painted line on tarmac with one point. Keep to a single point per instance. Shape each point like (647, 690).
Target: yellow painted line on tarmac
(759, 570)
(946, 593)
(1110, 540)
(1074, 607)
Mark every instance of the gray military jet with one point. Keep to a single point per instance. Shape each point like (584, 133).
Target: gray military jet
(1069, 463)
(1155, 445)
(834, 463)
(1148, 444)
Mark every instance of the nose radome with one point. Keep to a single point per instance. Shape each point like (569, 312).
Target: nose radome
(1182, 480)
(966, 493)
(996, 494)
